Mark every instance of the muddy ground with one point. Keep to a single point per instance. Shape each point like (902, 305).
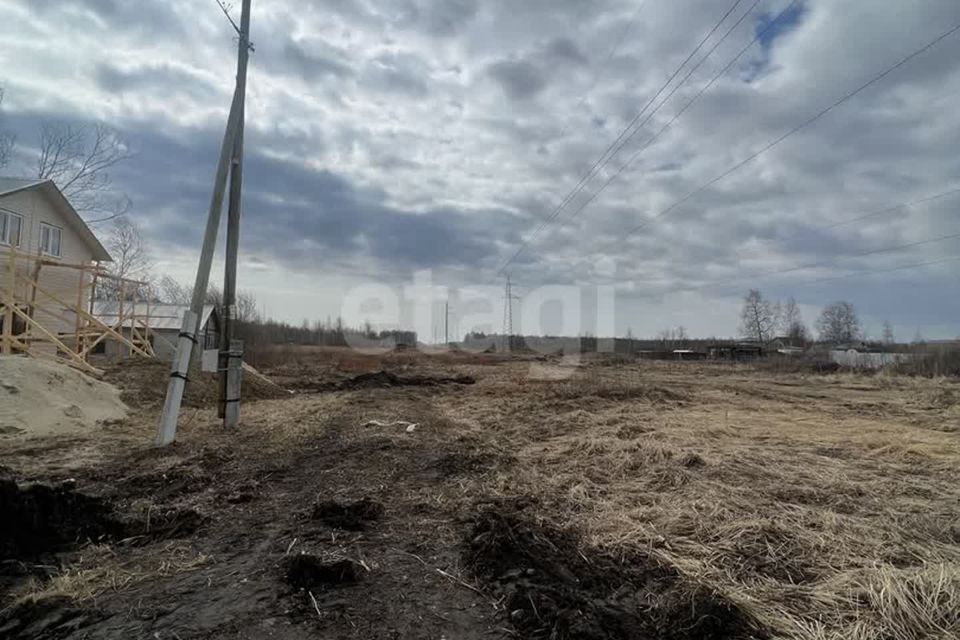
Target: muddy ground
(643, 500)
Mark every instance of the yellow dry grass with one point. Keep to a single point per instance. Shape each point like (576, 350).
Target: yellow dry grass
(827, 506)
(99, 571)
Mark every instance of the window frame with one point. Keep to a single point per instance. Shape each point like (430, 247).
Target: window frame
(59, 230)
(4, 240)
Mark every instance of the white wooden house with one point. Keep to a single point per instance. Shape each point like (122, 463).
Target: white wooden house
(53, 253)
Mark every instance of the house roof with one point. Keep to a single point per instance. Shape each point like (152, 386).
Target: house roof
(9, 186)
(163, 317)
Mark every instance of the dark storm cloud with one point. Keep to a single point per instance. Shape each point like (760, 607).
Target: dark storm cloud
(160, 78)
(519, 79)
(565, 50)
(440, 18)
(293, 215)
(315, 66)
(290, 203)
(141, 17)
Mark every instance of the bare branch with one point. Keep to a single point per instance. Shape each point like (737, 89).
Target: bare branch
(120, 208)
(78, 160)
(131, 260)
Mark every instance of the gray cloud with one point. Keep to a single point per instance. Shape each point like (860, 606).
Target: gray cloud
(519, 79)
(433, 133)
(315, 67)
(161, 78)
(404, 74)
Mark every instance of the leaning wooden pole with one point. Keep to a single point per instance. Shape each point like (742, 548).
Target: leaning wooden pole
(167, 430)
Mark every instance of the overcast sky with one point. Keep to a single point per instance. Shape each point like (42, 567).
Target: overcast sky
(391, 136)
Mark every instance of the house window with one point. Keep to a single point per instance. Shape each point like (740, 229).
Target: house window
(49, 240)
(10, 225)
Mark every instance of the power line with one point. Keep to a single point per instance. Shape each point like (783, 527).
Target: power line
(771, 144)
(806, 123)
(607, 155)
(822, 263)
(872, 214)
(613, 51)
(689, 103)
(812, 265)
(876, 271)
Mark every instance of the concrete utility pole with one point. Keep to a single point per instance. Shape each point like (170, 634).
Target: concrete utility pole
(190, 328)
(231, 350)
(446, 322)
(508, 315)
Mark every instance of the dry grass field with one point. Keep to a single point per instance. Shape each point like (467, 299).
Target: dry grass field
(608, 500)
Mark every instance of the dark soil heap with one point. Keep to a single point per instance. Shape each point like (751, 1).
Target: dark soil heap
(143, 382)
(38, 519)
(352, 516)
(386, 380)
(554, 588)
(310, 572)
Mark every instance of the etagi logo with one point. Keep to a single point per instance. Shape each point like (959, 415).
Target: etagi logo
(554, 320)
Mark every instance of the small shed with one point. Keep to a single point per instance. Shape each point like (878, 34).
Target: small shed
(735, 351)
(159, 322)
(689, 354)
(787, 346)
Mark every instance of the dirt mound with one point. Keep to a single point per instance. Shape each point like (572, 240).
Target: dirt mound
(143, 382)
(461, 463)
(39, 519)
(38, 398)
(386, 380)
(552, 587)
(352, 516)
(310, 572)
(45, 618)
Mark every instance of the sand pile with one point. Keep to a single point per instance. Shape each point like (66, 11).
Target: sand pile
(39, 398)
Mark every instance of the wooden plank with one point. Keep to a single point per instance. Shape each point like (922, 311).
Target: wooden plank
(55, 340)
(93, 320)
(6, 344)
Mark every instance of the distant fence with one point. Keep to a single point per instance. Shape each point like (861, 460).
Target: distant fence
(856, 360)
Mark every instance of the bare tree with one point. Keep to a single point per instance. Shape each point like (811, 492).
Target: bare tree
(791, 323)
(131, 261)
(172, 292)
(247, 307)
(757, 319)
(78, 158)
(888, 337)
(7, 140)
(839, 323)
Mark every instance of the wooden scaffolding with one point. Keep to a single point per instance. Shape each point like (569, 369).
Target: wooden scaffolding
(43, 320)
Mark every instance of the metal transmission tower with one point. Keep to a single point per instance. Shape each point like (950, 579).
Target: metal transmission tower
(446, 323)
(508, 299)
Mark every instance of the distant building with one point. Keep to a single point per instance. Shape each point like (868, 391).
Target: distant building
(157, 323)
(787, 346)
(689, 354)
(737, 351)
